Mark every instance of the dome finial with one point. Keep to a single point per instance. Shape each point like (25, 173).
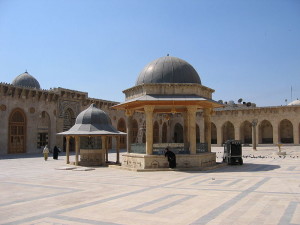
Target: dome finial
(26, 71)
(168, 54)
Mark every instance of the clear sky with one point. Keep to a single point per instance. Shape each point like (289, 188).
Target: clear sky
(246, 49)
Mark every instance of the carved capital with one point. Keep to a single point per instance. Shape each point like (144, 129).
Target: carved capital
(129, 112)
(149, 109)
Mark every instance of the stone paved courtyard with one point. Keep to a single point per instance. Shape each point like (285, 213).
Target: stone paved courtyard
(265, 190)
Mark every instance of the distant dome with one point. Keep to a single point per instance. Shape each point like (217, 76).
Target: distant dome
(26, 80)
(296, 102)
(168, 69)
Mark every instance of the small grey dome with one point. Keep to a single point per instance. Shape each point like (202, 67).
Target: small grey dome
(94, 116)
(168, 69)
(26, 80)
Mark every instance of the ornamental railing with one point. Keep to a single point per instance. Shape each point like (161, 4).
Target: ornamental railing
(138, 148)
(201, 147)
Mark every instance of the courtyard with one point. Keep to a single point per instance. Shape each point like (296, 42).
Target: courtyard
(265, 190)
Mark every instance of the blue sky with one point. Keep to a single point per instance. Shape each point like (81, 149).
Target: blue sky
(246, 49)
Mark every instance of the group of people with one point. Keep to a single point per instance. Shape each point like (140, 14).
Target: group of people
(46, 152)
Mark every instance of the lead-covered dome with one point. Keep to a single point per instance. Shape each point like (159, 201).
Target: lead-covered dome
(168, 69)
(92, 121)
(26, 80)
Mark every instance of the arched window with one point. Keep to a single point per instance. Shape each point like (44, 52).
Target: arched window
(164, 133)
(265, 132)
(17, 132)
(213, 134)
(178, 133)
(227, 131)
(155, 132)
(286, 132)
(122, 127)
(43, 131)
(246, 132)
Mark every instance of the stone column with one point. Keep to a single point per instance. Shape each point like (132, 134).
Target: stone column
(129, 114)
(254, 140)
(103, 140)
(237, 132)
(296, 133)
(77, 147)
(186, 135)
(275, 133)
(191, 110)
(68, 149)
(207, 127)
(219, 135)
(149, 129)
(118, 149)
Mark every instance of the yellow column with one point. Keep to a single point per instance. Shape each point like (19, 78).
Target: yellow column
(207, 127)
(129, 114)
(77, 146)
(67, 149)
(254, 140)
(149, 129)
(191, 110)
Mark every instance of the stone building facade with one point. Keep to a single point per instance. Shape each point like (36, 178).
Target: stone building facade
(30, 118)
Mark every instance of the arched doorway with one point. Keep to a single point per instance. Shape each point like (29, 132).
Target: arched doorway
(265, 132)
(17, 132)
(155, 132)
(164, 133)
(122, 127)
(246, 132)
(178, 133)
(69, 121)
(286, 132)
(214, 139)
(135, 130)
(43, 131)
(228, 131)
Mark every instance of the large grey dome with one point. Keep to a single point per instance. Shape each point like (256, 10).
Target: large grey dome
(168, 69)
(26, 80)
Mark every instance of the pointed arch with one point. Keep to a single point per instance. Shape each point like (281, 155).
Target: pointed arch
(17, 132)
(69, 121)
(164, 133)
(214, 139)
(246, 132)
(286, 134)
(135, 129)
(155, 132)
(178, 133)
(265, 134)
(228, 131)
(122, 127)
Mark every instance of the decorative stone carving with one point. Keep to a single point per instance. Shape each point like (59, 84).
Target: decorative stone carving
(3, 107)
(63, 105)
(32, 110)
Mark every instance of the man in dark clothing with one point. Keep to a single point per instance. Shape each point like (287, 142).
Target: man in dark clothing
(55, 152)
(171, 158)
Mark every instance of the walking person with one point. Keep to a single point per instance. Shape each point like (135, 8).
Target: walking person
(46, 152)
(56, 151)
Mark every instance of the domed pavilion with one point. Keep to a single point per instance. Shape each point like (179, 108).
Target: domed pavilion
(169, 86)
(91, 129)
